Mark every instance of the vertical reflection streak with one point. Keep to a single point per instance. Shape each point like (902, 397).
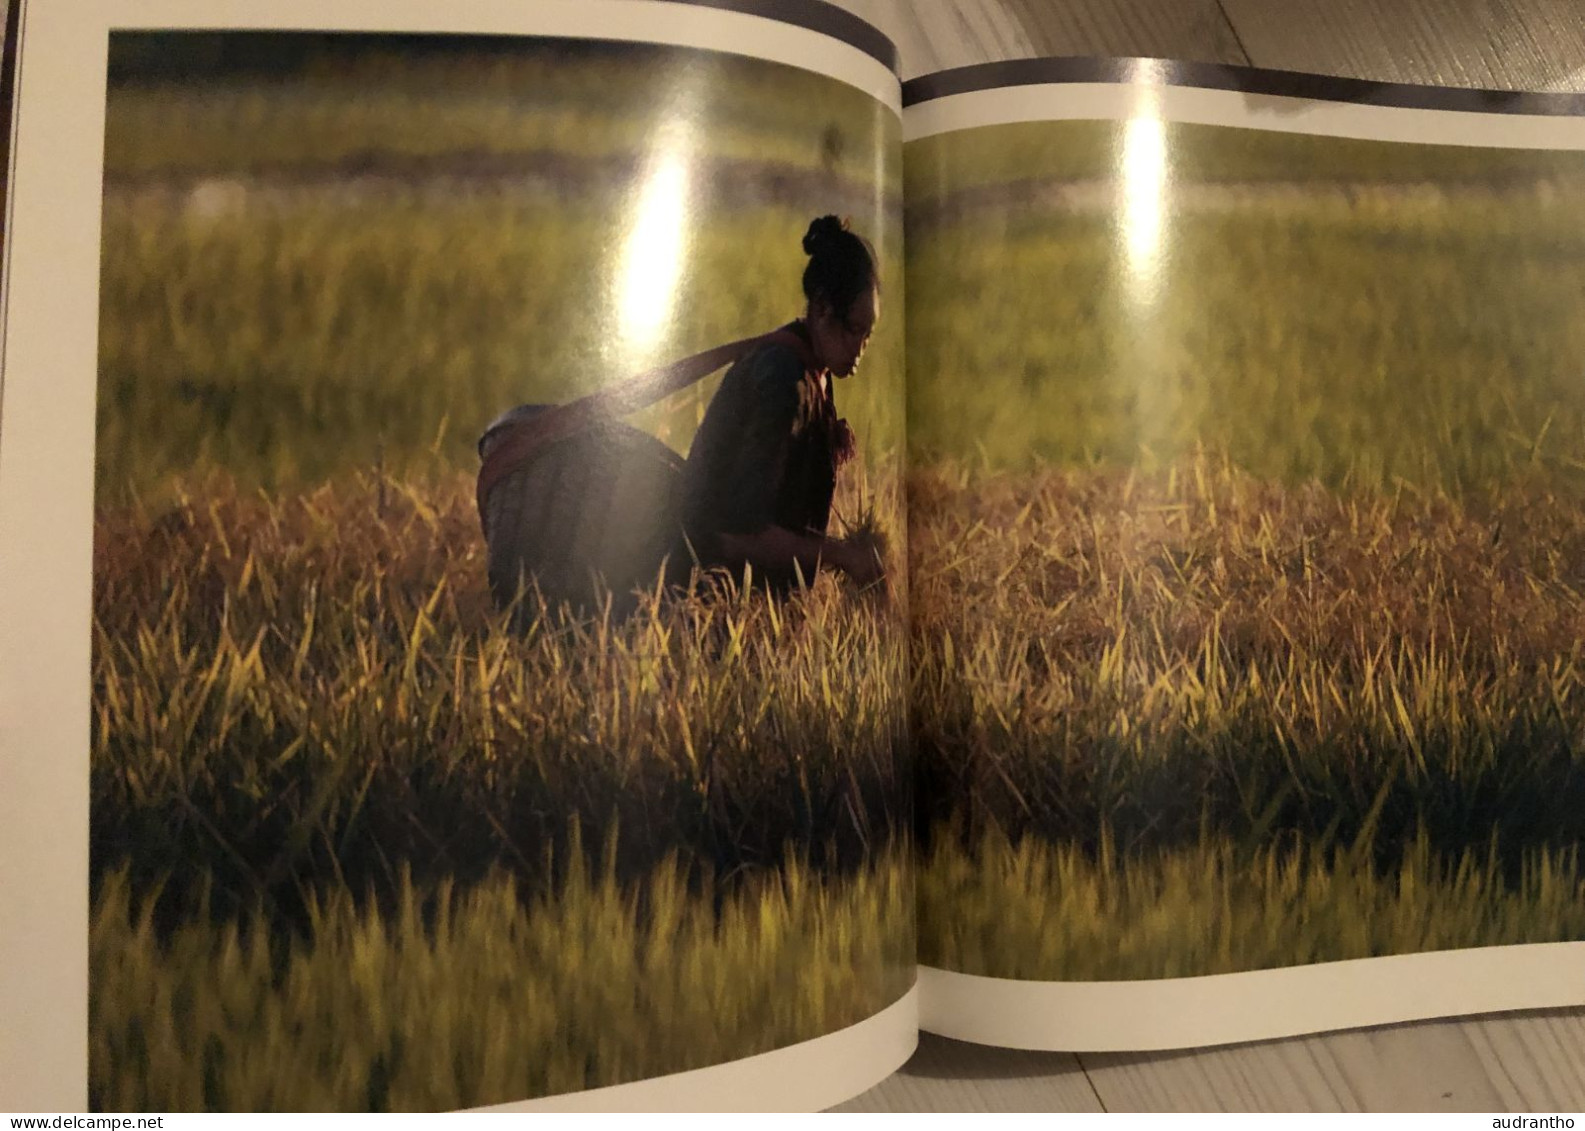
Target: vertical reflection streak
(1142, 237)
(655, 245)
(1144, 176)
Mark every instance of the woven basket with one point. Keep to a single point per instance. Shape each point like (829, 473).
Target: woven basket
(587, 516)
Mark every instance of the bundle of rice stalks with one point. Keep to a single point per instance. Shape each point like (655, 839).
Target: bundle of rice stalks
(866, 532)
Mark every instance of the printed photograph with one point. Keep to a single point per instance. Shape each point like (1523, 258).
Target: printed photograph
(1247, 536)
(499, 629)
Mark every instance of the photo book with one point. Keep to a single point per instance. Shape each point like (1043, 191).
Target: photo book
(613, 555)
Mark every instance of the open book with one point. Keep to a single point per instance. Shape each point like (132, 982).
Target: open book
(1124, 588)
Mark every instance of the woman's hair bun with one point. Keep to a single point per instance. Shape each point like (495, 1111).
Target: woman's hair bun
(822, 230)
(841, 264)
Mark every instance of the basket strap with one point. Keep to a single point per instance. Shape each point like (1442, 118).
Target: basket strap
(507, 453)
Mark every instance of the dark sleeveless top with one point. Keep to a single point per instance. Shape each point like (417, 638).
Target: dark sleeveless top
(765, 455)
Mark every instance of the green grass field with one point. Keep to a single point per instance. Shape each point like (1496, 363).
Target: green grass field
(308, 108)
(354, 843)
(305, 711)
(1050, 911)
(1434, 339)
(299, 343)
(485, 993)
(1032, 153)
(1260, 585)
(291, 327)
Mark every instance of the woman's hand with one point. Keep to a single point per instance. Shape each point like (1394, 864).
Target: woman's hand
(776, 547)
(844, 443)
(862, 564)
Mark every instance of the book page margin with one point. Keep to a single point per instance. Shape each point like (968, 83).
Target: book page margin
(1152, 1015)
(1091, 101)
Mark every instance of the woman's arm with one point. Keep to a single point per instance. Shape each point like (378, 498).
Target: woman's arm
(746, 454)
(777, 548)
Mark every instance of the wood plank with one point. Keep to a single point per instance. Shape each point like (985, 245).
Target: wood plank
(1535, 1060)
(1499, 44)
(1531, 1061)
(956, 1076)
(939, 36)
(1294, 1075)
(1194, 30)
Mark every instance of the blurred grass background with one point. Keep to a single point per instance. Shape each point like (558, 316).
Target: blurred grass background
(326, 259)
(1390, 312)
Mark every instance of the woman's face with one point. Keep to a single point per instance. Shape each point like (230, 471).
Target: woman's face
(839, 341)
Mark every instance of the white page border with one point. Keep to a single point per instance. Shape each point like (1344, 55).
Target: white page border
(47, 396)
(1252, 1005)
(1089, 101)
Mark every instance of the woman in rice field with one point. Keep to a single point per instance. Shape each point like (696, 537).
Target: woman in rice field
(762, 470)
(581, 504)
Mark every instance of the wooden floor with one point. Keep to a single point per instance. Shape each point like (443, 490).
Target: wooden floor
(1512, 1063)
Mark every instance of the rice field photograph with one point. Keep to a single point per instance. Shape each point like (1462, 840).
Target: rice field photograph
(413, 790)
(1246, 497)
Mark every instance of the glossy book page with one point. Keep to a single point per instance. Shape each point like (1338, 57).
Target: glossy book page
(342, 778)
(1246, 415)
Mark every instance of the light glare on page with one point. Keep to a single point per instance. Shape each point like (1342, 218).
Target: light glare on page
(654, 249)
(1144, 176)
(1142, 233)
